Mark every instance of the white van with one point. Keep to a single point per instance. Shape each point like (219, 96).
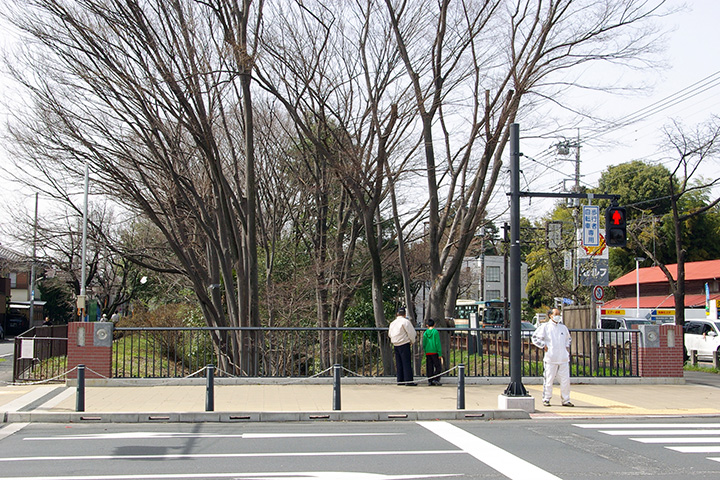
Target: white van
(702, 336)
(621, 325)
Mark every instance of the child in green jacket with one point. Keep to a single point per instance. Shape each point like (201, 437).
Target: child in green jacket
(433, 353)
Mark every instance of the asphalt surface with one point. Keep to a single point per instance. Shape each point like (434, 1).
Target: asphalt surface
(670, 449)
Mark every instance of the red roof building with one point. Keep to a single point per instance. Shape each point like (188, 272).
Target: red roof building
(655, 288)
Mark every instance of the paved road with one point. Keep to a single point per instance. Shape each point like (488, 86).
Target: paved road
(551, 449)
(702, 378)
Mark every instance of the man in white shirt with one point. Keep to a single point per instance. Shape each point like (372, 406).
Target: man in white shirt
(554, 338)
(402, 335)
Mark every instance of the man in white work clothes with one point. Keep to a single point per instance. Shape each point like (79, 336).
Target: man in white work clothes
(554, 338)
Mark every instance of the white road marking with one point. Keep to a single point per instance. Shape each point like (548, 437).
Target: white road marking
(660, 432)
(489, 454)
(699, 433)
(8, 430)
(697, 449)
(605, 426)
(166, 435)
(252, 476)
(678, 440)
(224, 455)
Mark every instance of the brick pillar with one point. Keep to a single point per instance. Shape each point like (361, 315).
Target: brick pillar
(665, 360)
(90, 344)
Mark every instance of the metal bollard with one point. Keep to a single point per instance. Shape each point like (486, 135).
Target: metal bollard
(336, 387)
(80, 396)
(209, 389)
(461, 387)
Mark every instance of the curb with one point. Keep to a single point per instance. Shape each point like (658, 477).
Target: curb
(247, 417)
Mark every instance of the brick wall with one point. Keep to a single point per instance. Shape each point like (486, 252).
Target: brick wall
(664, 361)
(97, 360)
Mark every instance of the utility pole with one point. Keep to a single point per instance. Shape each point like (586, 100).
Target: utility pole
(32, 269)
(563, 148)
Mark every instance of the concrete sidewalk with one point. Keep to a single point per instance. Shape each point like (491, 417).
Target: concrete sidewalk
(295, 400)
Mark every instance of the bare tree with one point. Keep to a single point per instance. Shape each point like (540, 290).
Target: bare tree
(334, 91)
(148, 95)
(693, 150)
(472, 66)
(110, 276)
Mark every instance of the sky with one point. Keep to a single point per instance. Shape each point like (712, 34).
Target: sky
(687, 91)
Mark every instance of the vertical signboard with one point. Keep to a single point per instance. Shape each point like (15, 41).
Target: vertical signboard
(591, 225)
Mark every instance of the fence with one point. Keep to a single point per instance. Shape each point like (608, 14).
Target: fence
(303, 352)
(40, 354)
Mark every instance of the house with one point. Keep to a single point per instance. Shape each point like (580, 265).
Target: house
(15, 279)
(649, 287)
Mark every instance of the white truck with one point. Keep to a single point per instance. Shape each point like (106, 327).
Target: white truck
(616, 330)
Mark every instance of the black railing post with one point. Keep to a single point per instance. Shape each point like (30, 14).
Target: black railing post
(209, 389)
(461, 387)
(80, 395)
(336, 387)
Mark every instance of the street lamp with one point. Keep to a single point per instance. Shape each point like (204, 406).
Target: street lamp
(637, 284)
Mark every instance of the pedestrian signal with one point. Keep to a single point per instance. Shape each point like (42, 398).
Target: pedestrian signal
(615, 227)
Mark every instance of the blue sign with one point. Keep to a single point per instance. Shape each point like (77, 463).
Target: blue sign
(591, 225)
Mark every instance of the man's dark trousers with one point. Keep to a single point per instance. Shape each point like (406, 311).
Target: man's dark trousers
(403, 363)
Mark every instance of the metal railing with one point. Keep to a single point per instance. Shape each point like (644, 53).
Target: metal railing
(303, 352)
(40, 354)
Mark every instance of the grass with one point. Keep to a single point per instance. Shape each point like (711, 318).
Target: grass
(700, 368)
(142, 356)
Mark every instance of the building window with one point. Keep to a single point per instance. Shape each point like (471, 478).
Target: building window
(492, 274)
(492, 294)
(13, 280)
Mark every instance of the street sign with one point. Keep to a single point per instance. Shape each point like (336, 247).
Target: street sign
(554, 235)
(591, 225)
(598, 293)
(593, 271)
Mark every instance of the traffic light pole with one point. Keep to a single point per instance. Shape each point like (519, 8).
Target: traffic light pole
(516, 388)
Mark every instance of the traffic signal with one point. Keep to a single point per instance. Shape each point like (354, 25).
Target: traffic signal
(615, 227)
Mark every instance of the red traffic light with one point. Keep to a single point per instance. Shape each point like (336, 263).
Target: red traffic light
(615, 227)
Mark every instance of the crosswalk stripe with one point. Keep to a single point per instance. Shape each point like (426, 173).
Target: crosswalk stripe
(677, 440)
(697, 449)
(668, 434)
(629, 433)
(606, 426)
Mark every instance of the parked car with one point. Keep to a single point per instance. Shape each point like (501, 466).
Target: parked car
(622, 325)
(16, 325)
(702, 336)
(526, 329)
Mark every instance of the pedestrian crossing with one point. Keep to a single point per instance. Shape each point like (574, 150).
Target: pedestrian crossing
(702, 438)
